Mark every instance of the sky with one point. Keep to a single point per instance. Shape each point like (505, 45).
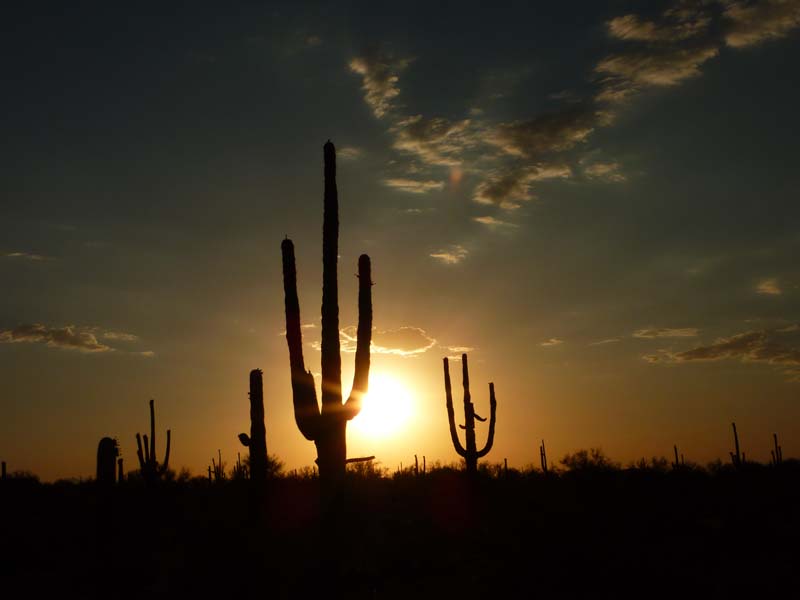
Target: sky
(596, 201)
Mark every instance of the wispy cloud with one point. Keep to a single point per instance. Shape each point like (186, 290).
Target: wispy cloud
(509, 187)
(452, 255)
(604, 342)
(605, 171)
(120, 336)
(436, 141)
(380, 75)
(552, 342)
(769, 287)
(348, 153)
(751, 23)
(665, 332)
(26, 256)
(776, 347)
(492, 222)
(69, 337)
(414, 186)
(405, 342)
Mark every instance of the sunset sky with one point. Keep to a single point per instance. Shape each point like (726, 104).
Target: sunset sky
(598, 201)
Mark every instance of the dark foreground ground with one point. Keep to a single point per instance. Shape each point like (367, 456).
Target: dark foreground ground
(587, 534)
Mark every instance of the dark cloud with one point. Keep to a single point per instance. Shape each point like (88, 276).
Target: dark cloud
(545, 134)
(683, 21)
(69, 337)
(508, 187)
(775, 347)
(751, 23)
(436, 141)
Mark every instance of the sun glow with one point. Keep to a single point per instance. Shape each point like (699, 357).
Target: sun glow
(385, 409)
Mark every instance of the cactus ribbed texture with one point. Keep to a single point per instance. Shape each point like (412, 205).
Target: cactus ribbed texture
(470, 454)
(327, 426)
(257, 440)
(107, 453)
(151, 470)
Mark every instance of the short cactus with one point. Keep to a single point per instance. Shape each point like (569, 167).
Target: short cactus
(107, 453)
(150, 469)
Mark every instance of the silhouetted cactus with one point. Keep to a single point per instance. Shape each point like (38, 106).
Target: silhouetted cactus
(776, 452)
(736, 457)
(257, 440)
(327, 427)
(150, 469)
(543, 457)
(677, 463)
(107, 453)
(470, 454)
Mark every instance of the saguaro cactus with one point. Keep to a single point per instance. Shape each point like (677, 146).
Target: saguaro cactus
(107, 453)
(257, 440)
(327, 426)
(470, 453)
(776, 452)
(543, 457)
(737, 458)
(151, 470)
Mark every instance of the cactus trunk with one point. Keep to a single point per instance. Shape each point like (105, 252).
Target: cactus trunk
(107, 453)
(258, 433)
(327, 426)
(470, 454)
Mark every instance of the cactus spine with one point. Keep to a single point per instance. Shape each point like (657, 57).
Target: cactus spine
(107, 453)
(257, 440)
(327, 426)
(470, 454)
(151, 470)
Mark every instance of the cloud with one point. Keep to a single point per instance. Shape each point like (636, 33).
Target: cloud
(120, 336)
(769, 287)
(751, 23)
(492, 222)
(684, 21)
(146, 353)
(604, 342)
(379, 74)
(403, 341)
(26, 256)
(460, 349)
(552, 342)
(414, 186)
(69, 337)
(626, 74)
(436, 141)
(545, 134)
(606, 171)
(348, 153)
(665, 332)
(775, 347)
(508, 187)
(452, 255)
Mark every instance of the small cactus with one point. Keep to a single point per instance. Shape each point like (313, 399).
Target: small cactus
(737, 458)
(470, 454)
(543, 457)
(256, 442)
(107, 453)
(151, 470)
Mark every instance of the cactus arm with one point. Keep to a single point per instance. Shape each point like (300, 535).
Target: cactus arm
(304, 394)
(331, 359)
(152, 432)
(139, 451)
(451, 417)
(364, 338)
(147, 457)
(165, 466)
(492, 418)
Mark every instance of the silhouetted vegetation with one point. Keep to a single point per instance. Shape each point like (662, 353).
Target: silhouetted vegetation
(327, 426)
(471, 454)
(257, 440)
(149, 467)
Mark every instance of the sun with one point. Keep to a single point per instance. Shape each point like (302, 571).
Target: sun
(385, 409)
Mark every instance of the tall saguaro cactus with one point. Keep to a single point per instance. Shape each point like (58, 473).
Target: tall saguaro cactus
(471, 454)
(257, 440)
(327, 426)
(151, 470)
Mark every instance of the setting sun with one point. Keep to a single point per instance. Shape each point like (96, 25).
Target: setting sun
(386, 407)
